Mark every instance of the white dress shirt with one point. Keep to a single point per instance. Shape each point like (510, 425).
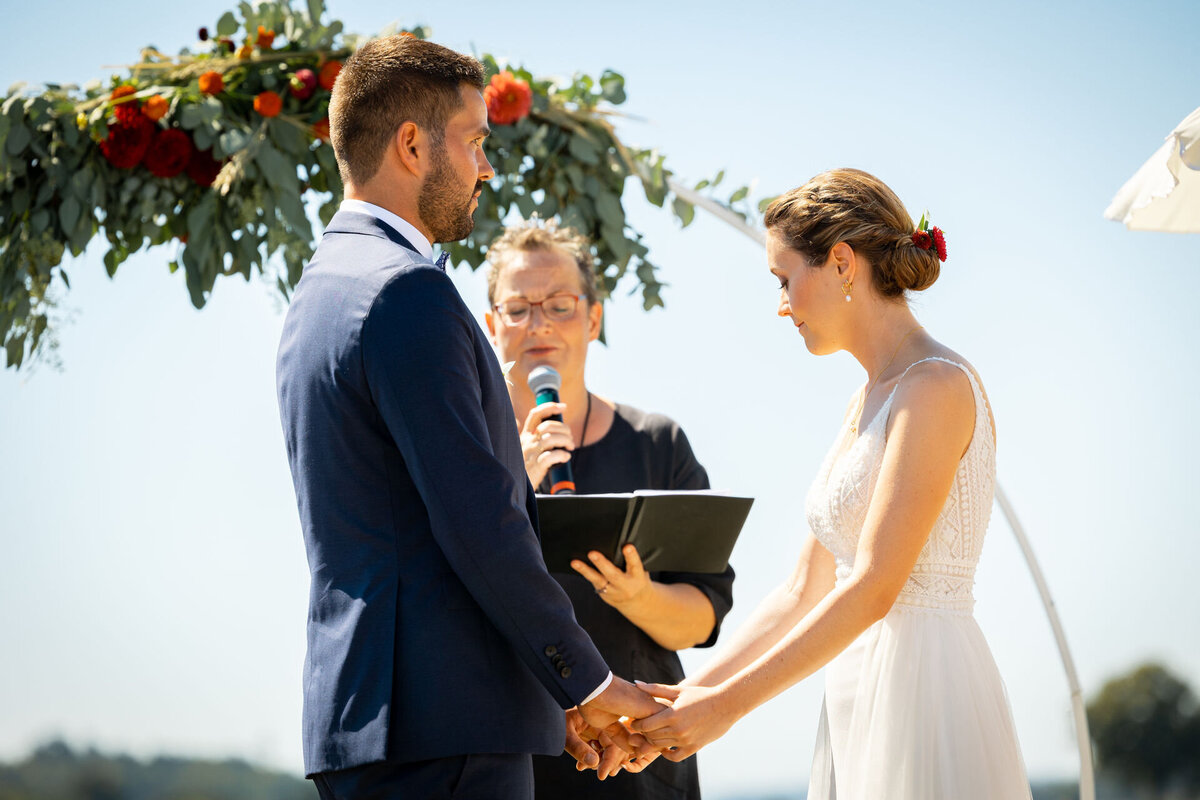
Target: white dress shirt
(402, 226)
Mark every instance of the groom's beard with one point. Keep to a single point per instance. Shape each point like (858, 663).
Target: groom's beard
(441, 204)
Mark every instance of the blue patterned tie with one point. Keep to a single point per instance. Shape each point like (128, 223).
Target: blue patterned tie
(441, 261)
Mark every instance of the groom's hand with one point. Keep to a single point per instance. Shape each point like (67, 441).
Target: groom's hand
(599, 721)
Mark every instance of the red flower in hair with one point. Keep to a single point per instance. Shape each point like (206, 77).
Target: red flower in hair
(508, 98)
(127, 142)
(939, 239)
(922, 240)
(202, 167)
(169, 153)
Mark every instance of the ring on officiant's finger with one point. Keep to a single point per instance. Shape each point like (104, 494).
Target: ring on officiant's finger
(603, 588)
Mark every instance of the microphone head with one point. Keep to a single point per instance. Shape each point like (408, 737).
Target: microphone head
(542, 378)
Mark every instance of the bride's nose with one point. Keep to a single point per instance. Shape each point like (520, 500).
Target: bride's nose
(785, 308)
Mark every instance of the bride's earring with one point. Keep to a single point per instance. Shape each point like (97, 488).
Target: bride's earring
(846, 287)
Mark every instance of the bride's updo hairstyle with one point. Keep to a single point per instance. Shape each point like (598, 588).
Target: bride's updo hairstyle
(855, 207)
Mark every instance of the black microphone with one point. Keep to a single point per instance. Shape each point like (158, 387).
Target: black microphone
(545, 383)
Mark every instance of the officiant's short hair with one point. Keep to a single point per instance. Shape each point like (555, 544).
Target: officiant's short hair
(536, 235)
(390, 81)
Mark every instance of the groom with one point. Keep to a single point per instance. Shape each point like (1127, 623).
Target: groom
(440, 652)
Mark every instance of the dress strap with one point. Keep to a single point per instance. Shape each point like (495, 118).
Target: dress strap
(981, 404)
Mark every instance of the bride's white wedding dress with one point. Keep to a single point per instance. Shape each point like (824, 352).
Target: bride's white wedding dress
(915, 708)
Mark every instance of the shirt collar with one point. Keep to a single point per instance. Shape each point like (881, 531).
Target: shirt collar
(401, 225)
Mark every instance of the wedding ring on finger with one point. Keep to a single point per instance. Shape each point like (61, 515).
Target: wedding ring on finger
(603, 588)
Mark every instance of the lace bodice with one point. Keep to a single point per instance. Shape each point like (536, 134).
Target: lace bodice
(837, 504)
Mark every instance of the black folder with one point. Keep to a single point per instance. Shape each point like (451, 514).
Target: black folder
(673, 531)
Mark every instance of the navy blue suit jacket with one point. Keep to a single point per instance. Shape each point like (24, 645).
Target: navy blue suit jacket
(433, 629)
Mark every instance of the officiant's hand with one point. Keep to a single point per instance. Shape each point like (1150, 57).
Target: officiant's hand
(697, 716)
(616, 587)
(545, 442)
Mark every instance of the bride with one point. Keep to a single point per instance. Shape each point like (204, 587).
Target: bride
(882, 594)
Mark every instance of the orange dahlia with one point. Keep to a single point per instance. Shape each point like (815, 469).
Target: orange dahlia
(268, 104)
(508, 98)
(211, 82)
(155, 107)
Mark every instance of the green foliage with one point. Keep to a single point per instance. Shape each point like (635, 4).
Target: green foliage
(58, 191)
(1146, 727)
(56, 772)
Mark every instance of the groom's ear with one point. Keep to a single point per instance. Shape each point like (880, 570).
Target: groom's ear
(411, 146)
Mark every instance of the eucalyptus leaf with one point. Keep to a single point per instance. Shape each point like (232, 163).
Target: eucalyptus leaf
(227, 25)
(608, 208)
(68, 214)
(19, 137)
(233, 141)
(684, 210)
(583, 150)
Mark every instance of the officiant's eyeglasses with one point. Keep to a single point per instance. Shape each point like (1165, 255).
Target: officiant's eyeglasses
(559, 308)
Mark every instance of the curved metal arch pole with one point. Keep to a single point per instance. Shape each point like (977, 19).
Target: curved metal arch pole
(1087, 784)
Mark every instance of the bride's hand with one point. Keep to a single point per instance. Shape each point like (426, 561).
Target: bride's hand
(697, 715)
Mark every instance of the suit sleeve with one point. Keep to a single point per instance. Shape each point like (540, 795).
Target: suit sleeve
(420, 361)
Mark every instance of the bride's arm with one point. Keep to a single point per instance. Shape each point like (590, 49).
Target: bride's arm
(932, 421)
(778, 613)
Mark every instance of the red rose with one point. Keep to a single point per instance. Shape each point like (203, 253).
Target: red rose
(302, 84)
(125, 110)
(268, 104)
(211, 82)
(169, 153)
(321, 129)
(329, 73)
(939, 239)
(202, 167)
(127, 142)
(921, 240)
(508, 98)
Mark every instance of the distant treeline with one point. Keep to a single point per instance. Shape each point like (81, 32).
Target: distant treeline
(56, 772)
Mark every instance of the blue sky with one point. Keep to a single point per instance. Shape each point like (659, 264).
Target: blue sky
(154, 577)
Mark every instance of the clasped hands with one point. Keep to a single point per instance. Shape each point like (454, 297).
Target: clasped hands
(627, 727)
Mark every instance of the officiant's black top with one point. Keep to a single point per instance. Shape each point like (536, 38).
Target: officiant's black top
(640, 451)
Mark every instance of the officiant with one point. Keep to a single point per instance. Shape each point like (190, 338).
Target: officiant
(545, 310)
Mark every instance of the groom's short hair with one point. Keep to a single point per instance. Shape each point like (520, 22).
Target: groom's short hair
(387, 82)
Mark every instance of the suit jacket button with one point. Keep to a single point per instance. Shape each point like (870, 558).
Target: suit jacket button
(565, 672)
(550, 650)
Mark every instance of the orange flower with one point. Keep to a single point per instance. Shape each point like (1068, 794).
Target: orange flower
(126, 111)
(265, 38)
(409, 35)
(211, 82)
(321, 129)
(329, 73)
(508, 98)
(268, 104)
(155, 107)
(245, 51)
